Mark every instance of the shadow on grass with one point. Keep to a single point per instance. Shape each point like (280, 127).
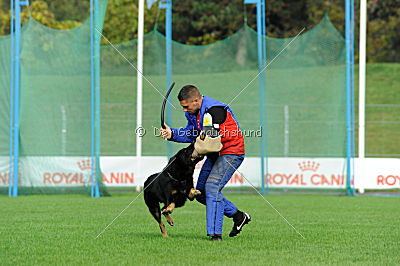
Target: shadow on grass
(157, 236)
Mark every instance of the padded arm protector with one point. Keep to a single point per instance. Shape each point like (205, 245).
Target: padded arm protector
(205, 144)
(209, 140)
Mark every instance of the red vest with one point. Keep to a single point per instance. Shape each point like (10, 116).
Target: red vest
(231, 137)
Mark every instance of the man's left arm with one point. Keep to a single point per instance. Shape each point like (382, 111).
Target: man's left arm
(210, 139)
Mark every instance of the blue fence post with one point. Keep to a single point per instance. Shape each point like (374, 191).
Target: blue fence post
(349, 37)
(15, 6)
(262, 58)
(95, 99)
(97, 39)
(92, 101)
(11, 122)
(263, 98)
(167, 5)
(17, 49)
(353, 125)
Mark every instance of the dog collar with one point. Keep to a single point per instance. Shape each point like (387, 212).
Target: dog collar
(176, 180)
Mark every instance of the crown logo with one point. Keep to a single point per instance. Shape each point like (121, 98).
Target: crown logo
(308, 166)
(85, 164)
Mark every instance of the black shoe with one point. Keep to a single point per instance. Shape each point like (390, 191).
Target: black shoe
(239, 220)
(216, 238)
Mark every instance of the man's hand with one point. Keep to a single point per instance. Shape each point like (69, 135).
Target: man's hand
(166, 133)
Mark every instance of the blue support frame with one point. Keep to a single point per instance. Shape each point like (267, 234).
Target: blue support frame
(167, 5)
(262, 59)
(15, 50)
(15, 28)
(349, 37)
(11, 140)
(95, 99)
(16, 90)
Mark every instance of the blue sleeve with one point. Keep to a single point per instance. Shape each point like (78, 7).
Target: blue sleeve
(186, 134)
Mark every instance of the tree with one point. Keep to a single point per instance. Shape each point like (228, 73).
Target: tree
(202, 22)
(383, 43)
(121, 19)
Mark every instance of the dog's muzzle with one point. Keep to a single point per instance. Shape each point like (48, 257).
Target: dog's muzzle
(195, 155)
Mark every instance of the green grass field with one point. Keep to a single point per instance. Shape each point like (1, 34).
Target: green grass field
(62, 229)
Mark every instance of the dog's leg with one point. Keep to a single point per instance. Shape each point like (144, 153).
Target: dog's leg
(163, 230)
(169, 219)
(156, 212)
(192, 193)
(170, 208)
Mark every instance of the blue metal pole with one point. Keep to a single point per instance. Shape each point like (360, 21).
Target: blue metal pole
(12, 55)
(261, 86)
(264, 30)
(16, 82)
(97, 99)
(349, 85)
(261, 53)
(92, 101)
(261, 61)
(168, 23)
(263, 91)
(353, 125)
(167, 5)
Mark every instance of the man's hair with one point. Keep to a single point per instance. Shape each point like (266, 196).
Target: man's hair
(188, 92)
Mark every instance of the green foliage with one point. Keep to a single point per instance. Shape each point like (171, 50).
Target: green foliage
(383, 31)
(121, 20)
(76, 10)
(4, 22)
(208, 21)
(204, 22)
(333, 8)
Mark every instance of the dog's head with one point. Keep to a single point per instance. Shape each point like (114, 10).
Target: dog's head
(185, 156)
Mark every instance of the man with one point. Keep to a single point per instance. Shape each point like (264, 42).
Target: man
(216, 131)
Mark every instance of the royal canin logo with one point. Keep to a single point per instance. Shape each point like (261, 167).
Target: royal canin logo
(83, 176)
(309, 174)
(85, 164)
(308, 166)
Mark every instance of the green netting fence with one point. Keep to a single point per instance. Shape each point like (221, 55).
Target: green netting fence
(305, 96)
(55, 106)
(306, 80)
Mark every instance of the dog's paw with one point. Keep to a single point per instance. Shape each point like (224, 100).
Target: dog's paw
(193, 193)
(169, 219)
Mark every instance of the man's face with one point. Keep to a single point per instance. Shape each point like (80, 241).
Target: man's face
(192, 105)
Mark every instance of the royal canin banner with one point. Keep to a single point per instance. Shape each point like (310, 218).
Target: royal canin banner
(120, 171)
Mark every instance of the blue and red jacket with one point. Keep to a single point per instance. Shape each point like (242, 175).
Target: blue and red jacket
(231, 136)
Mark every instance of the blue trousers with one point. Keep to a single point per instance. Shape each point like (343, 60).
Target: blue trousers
(214, 175)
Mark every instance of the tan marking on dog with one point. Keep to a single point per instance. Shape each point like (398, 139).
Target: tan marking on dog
(170, 207)
(163, 230)
(169, 219)
(174, 192)
(193, 192)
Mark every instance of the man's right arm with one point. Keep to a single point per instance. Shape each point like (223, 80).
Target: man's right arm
(186, 134)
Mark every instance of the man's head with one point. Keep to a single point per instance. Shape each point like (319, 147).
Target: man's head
(190, 99)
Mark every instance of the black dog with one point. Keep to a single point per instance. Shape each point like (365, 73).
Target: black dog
(172, 186)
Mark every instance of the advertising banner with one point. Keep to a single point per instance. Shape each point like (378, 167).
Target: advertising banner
(128, 171)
